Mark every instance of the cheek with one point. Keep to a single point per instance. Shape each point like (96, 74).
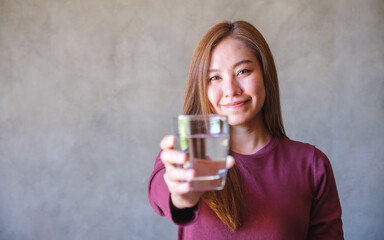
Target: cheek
(256, 87)
(213, 95)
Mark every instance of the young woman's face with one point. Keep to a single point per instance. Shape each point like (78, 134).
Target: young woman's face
(236, 86)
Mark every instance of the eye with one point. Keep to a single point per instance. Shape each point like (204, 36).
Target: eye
(242, 72)
(214, 78)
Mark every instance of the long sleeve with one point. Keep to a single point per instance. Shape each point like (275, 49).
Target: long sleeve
(325, 219)
(159, 198)
(289, 191)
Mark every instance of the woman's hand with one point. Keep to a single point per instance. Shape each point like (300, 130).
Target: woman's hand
(178, 179)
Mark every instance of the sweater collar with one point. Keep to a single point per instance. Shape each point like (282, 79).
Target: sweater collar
(272, 142)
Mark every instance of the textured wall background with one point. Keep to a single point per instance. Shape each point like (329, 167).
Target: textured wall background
(87, 89)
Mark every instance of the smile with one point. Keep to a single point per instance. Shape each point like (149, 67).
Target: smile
(235, 104)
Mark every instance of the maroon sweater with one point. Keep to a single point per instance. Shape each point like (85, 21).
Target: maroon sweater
(289, 191)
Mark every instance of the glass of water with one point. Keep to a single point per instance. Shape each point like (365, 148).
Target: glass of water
(205, 139)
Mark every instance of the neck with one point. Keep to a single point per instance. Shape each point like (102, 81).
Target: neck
(249, 138)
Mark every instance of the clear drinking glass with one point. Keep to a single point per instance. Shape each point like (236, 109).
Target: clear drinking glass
(205, 139)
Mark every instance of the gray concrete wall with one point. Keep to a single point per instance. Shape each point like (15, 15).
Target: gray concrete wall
(87, 89)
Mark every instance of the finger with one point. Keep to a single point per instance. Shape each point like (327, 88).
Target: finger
(179, 188)
(180, 174)
(168, 142)
(230, 161)
(176, 187)
(173, 157)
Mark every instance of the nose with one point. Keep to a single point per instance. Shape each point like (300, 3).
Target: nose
(231, 87)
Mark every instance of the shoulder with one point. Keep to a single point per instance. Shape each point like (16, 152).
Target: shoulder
(301, 150)
(296, 146)
(309, 161)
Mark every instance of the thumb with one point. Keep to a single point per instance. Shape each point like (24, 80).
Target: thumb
(230, 161)
(168, 142)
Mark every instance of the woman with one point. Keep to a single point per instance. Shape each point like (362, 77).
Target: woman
(278, 188)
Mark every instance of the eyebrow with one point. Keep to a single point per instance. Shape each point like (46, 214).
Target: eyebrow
(242, 62)
(235, 65)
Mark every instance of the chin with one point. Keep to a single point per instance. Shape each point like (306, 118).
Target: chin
(237, 120)
(234, 120)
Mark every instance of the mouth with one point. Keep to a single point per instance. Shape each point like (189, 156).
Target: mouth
(235, 104)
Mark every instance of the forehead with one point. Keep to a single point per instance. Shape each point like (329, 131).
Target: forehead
(231, 50)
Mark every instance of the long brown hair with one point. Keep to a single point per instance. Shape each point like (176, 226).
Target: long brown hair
(228, 202)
